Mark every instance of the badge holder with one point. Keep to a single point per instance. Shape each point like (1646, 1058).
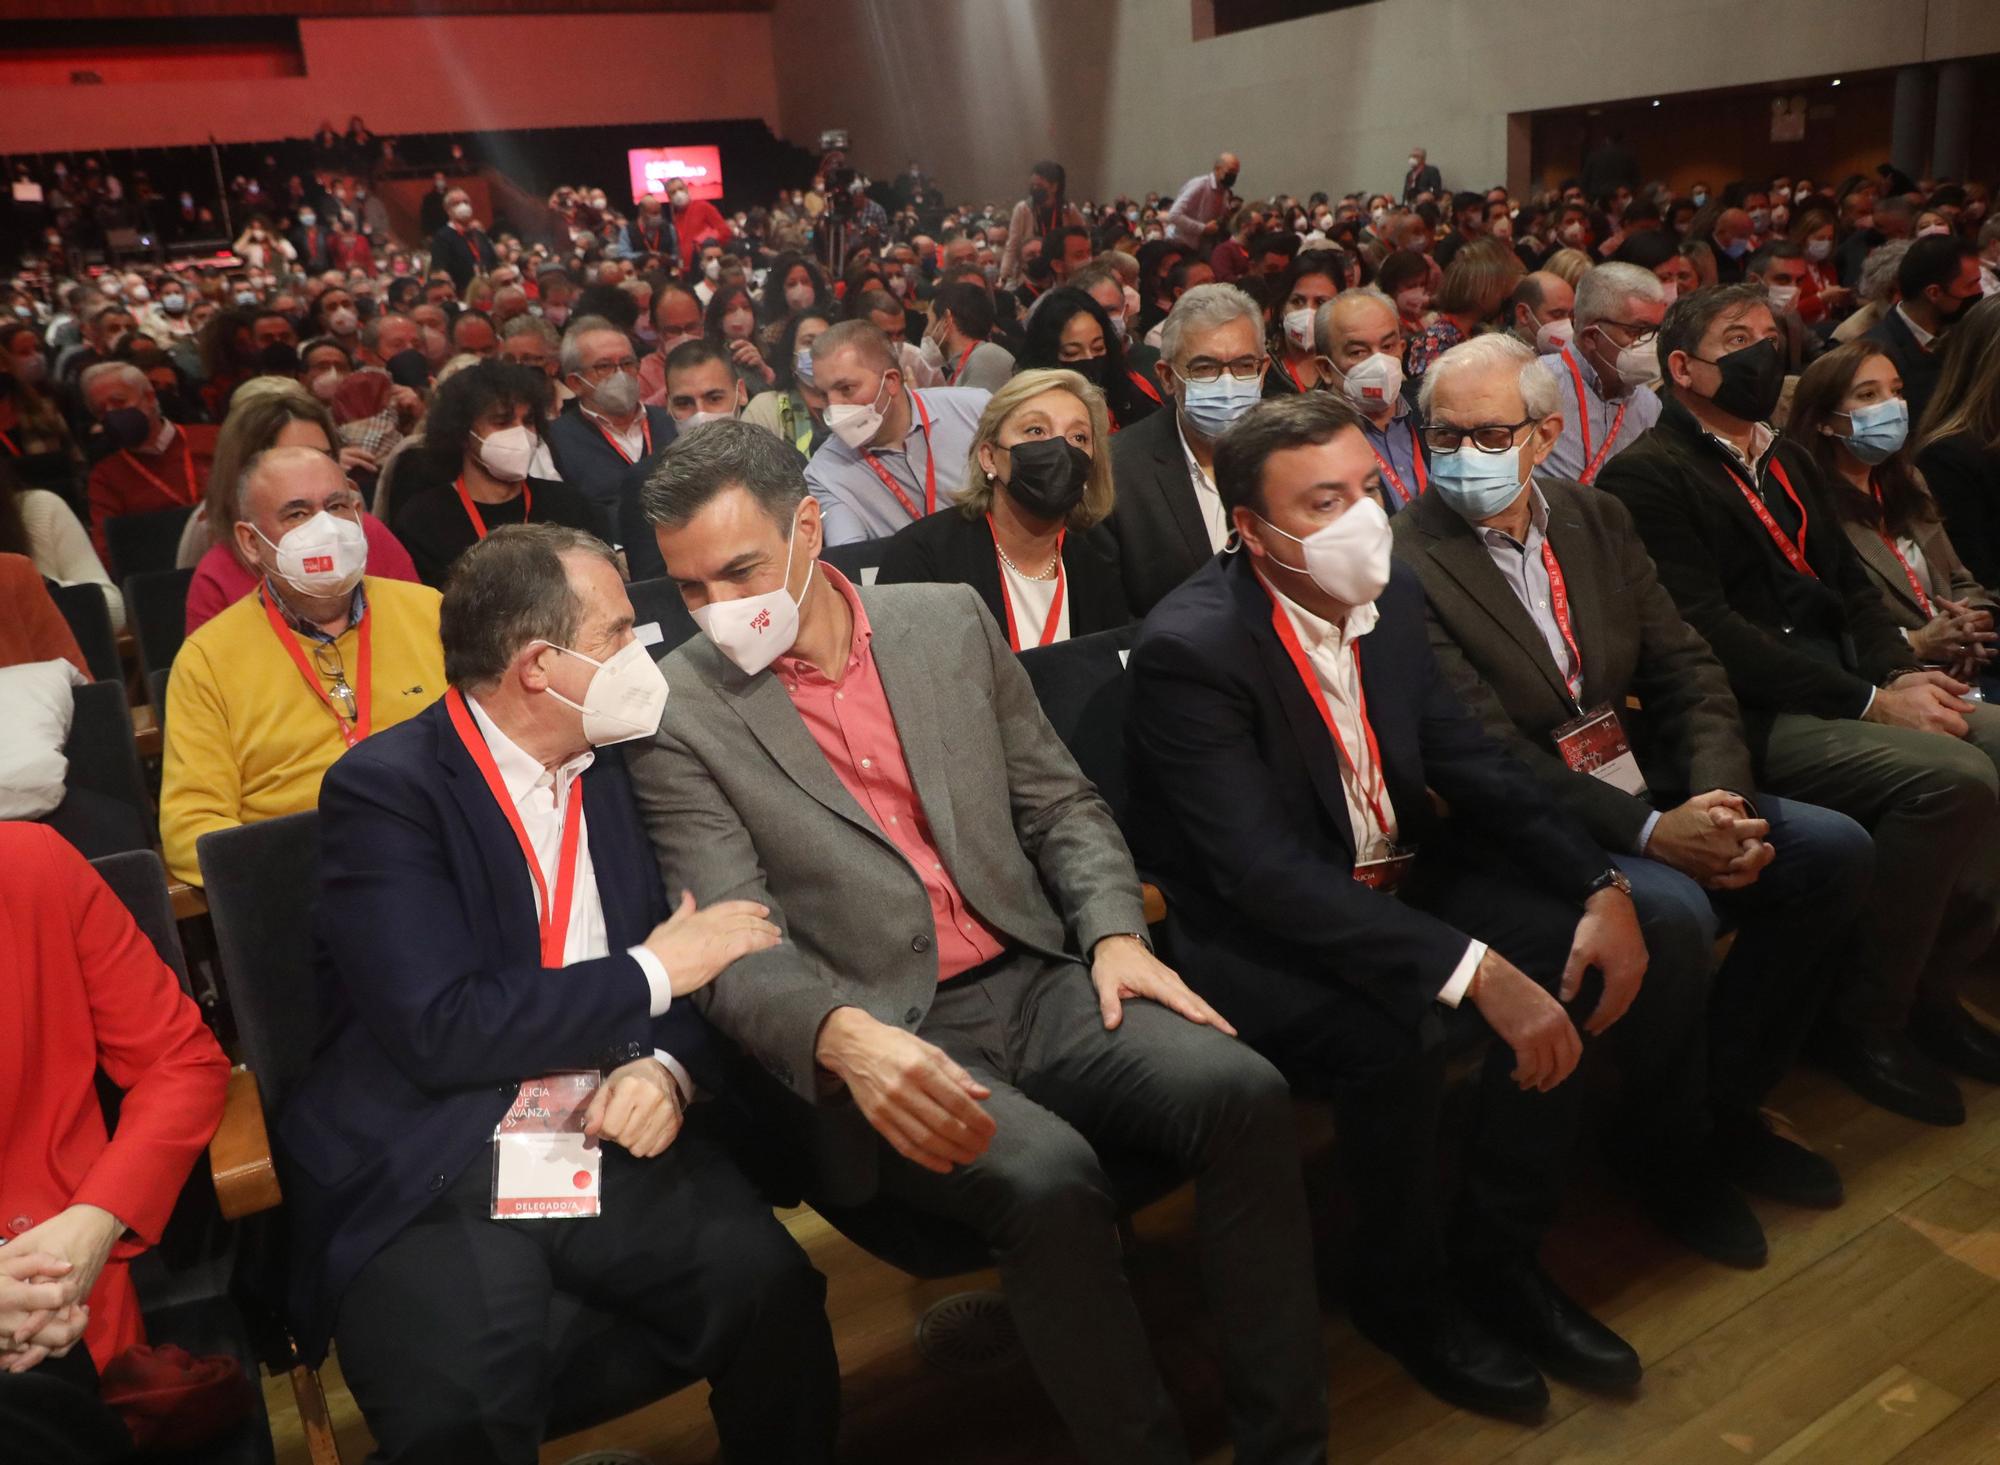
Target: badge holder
(1386, 871)
(1595, 743)
(544, 1168)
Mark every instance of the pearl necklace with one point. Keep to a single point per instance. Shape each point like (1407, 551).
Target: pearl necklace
(1048, 573)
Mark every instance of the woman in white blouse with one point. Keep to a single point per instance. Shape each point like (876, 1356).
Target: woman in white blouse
(38, 524)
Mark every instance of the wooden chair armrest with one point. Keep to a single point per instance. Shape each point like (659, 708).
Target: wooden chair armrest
(246, 1180)
(1155, 902)
(189, 901)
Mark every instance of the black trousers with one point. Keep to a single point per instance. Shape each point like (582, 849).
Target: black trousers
(52, 1415)
(1335, 1039)
(445, 1335)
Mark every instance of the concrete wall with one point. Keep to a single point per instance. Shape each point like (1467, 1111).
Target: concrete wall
(1128, 100)
(430, 74)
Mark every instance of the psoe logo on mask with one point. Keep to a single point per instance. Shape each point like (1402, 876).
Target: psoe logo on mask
(318, 564)
(761, 622)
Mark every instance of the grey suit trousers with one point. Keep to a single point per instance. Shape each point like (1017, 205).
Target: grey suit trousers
(1030, 1030)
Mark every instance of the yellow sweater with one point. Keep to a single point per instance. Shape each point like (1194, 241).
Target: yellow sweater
(246, 739)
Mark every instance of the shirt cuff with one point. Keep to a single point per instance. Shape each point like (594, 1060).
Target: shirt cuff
(1868, 704)
(1453, 991)
(1646, 833)
(681, 1079)
(656, 980)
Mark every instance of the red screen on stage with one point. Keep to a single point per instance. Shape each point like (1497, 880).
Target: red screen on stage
(655, 169)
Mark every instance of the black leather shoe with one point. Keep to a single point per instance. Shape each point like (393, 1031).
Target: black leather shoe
(1754, 1157)
(1523, 1306)
(1954, 1037)
(1450, 1353)
(1886, 1069)
(1703, 1212)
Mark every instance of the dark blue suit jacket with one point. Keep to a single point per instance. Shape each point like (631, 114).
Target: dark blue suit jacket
(437, 1003)
(1240, 815)
(590, 464)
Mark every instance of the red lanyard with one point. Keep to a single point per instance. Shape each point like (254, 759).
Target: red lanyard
(1389, 472)
(551, 915)
(959, 370)
(645, 427)
(1590, 464)
(1292, 372)
(479, 524)
(11, 448)
(930, 469)
(1794, 552)
(1139, 381)
(364, 678)
(187, 474)
(1916, 585)
(1559, 605)
(1007, 601)
(1371, 794)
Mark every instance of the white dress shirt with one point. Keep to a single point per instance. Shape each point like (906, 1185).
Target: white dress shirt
(632, 441)
(540, 796)
(1329, 651)
(1205, 493)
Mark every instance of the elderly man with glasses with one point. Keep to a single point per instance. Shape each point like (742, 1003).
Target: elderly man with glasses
(1170, 518)
(270, 692)
(1604, 375)
(1549, 620)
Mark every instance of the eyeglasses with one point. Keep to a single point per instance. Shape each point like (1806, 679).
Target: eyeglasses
(1243, 368)
(1488, 438)
(340, 691)
(1639, 335)
(605, 368)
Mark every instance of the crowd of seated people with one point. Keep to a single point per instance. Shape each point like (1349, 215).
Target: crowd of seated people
(1519, 594)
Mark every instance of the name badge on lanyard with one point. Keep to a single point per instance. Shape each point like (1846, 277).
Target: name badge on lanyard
(544, 1166)
(1595, 743)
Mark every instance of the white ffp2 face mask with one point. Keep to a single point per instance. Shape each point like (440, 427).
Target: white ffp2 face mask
(855, 424)
(1373, 384)
(507, 453)
(756, 630)
(625, 698)
(1349, 558)
(325, 556)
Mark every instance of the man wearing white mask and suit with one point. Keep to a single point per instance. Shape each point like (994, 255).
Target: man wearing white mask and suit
(1288, 723)
(965, 970)
(267, 694)
(502, 1190)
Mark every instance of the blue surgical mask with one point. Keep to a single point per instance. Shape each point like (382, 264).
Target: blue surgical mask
(1477, 485)
(1699, 198)
(1736, 248)
(1876, 431)
(1212, 408)
(802, 365)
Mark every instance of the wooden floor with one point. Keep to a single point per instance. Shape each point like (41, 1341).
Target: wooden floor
(1873, 1335)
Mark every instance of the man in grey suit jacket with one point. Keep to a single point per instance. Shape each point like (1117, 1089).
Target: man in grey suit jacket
(965, 954)
(1543, 609)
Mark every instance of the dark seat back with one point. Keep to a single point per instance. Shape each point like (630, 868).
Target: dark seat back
(262, 881)
(139, 880)
(104, 759)
(858, 561)
(89, 617)
(141, 542)
(1084, 692)
(156, 610)
(659, 603)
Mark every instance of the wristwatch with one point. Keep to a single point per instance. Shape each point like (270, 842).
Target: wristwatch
(1611, 879)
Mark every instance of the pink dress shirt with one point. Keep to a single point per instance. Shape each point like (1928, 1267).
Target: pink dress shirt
(851, 721)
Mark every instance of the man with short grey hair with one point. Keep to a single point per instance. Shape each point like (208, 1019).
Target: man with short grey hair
(1169, 518)
(1548, 619)
(896, 454)
(596, 447)
(966, 987)
(1603, 376)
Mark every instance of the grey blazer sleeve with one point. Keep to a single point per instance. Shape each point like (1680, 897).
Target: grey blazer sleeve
(771, 1002)
(1064, 827)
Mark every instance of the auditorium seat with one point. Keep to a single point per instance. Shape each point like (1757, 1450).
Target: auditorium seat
(106, 809)
(184, 1283)
(261, 881)
(658, 603)
(141, 542)
(860, 561)
(83, 606)
(156, 612)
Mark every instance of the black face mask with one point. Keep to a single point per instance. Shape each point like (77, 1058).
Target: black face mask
(1049, 476)
(409, 369)
(1090, 368)
(127, 427)
(1753, 378)
(1228, 180)
(280, 358)
(1959, 306)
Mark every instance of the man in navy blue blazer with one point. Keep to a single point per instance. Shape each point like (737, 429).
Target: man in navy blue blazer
(598, 439)
(1293, 740)
(491, 914)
